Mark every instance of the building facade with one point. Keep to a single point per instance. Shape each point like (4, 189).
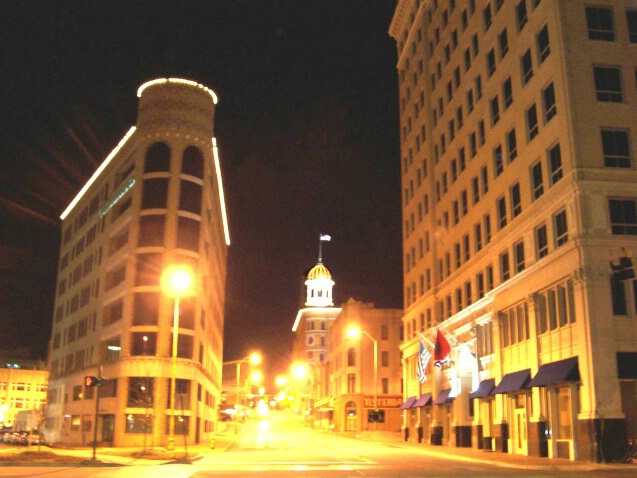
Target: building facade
(23, 385)
(365, 391)
(519, 213)
(156, 201)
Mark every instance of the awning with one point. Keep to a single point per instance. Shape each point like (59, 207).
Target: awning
(443, 397)
(561, 371)
(408, 403)
(484, 389)
(513, 381)
(424, 400)
(627, 365)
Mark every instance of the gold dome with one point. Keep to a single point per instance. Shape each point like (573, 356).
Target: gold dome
(319, 271)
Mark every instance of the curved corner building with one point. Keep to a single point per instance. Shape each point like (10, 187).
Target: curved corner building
(156, 200)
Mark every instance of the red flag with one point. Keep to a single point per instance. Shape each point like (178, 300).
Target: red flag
(442, 349)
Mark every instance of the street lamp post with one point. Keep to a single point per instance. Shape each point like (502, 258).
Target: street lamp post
(254, 358)
(176, 281)
(354, 333)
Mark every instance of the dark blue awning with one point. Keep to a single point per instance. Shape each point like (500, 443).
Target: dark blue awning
(555, 372)
(424, 400)
(513, 381)
(443, 397)
(484, 389)
(626, 365)
(408, 403)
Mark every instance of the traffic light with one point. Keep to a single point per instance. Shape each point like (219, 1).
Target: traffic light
(90, 381)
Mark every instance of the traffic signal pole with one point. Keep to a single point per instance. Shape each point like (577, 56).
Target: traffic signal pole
(97, 407)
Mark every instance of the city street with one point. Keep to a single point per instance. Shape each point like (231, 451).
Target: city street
(281, 445)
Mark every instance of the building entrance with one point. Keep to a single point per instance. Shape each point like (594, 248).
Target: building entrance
(519, 425)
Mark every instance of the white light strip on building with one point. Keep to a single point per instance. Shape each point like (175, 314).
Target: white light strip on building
(177, 80)
(97, 173)
(120, 194)
(222, 199)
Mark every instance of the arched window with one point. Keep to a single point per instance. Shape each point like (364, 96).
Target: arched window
(192, 162)
(157, 158)
(351, 357)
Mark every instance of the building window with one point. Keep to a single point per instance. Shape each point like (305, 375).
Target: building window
(503, 42)
(505, 269)
(470, 102)
(154, 193)
(616, 148)
(143, 343)
(555, 164)
(495, 110)
(384, 332)
(561, 228)
(140, 392)
(487, 228)
(555, 307)
(537, 182)
(631, 20)
(507, 93)
(541, 241)
(351, 357)
(531, 122)
(623, 216)
(600, 23)
(384, 358)
(518, 257)
(548, 100)
(618, 293)
(521, 14)
(502, 212)
(140, 423)
(516, 201)
(498, 162)
(157, 158)
(351, 383)
(512, 145)
(491, 63)
(514, 325)
(608, 83)
(527, 67)
(543, 45)
(488, 17)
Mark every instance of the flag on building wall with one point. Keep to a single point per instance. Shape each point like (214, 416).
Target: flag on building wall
(423, 360)
(442, 350)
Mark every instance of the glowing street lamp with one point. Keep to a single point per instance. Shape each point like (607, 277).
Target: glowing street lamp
(255, 359)
(176, 281)
(355, 333)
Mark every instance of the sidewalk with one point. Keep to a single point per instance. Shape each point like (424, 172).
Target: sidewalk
(506, 460)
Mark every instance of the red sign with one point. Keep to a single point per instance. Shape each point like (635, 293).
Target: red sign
(384, 401)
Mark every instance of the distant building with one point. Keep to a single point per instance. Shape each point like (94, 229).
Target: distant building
(519, 206)
(155, 201)
(364, 398)
(23, 385)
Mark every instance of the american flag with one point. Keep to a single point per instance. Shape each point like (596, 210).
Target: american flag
(423, 360)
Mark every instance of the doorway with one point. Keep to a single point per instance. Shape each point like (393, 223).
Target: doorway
(108, 428)
(519, 425)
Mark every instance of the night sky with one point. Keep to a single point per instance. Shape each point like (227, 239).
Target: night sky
(307, 125)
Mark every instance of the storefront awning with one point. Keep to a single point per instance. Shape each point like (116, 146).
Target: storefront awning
(626, 365)
(513, 381)
(485, 389)
(408, 403)
(443, 397)
(555, 372)
(424, 400)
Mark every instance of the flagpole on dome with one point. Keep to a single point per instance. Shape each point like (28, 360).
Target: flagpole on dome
(322, 237)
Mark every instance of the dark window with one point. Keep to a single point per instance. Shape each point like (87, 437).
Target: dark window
(537, 182)
(618, 294)
(521, 14)
(527, 67)
(505, 268)
(600, 23)
(504, 43)
(145, 308)
(516, 201)
(351, 357)
(531, 122)
(507, 93)
(155, 193)
(561, 228)
(623, 216)
(631, 20)
(541, 241)
(491, 63)
(140, 392)
(190, 197)
(188, 234)
(157, 158)
(148, 268)
(543, 45)
(495, 110)
(501, 207)
(512, 145)
(470, 103)
(143, 343)
(608, 85)
(184, 346)
(548, 100)
(113, 312)
(518, 257)
(467, 59)
(151, 230)
(488, 18)
(555, 164)
(498, 162)
(192, 162)
(616, 149)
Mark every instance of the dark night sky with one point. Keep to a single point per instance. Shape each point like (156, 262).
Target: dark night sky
(307, 126)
